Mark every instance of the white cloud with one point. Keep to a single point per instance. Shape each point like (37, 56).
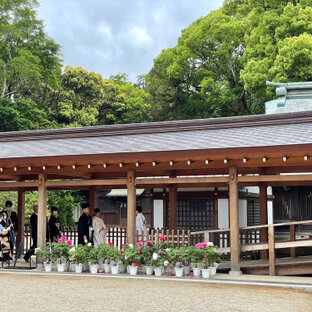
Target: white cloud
(119, 36)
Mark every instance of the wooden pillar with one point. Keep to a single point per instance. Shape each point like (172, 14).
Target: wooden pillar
(165, 225)
(263, 218)
(173, 207)
(234, 223)
(131, 207)
(42, 209)
(92, 200)
(271, 250)
(20, 215)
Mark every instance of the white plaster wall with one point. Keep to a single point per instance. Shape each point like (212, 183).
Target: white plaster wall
(242, 213)
(158, 213)
(223, 213)
(270, 212)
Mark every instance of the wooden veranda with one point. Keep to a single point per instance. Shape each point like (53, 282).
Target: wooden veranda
(263, 150)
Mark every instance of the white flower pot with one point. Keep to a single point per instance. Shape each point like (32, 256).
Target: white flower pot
(48, 267)
(187, 270)
(78, 268)
(196, 272)
(72, 267)
(213, 271)
(216, 264)
(128, 268)
(115, 269)
(66, 267)
(107, 268)
(94, 268)
(158, 271)
(143, 269)
(60, 267)
(121, 268)
(133, 270)
(178, 272)
(206, 273)
(149, 270)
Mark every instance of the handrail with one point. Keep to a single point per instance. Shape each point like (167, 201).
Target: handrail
(269, 243)
(254, 227)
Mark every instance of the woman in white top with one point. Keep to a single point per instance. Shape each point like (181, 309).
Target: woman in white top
(140, 223)
(99, 228)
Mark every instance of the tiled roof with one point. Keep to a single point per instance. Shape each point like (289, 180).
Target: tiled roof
(233, 132)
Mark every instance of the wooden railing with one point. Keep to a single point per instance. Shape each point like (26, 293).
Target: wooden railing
(250, 239)
(118, 236)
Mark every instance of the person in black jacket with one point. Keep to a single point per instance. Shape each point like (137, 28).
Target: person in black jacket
(54, 225)
(84, 224)
(33, 224)
(12, 215)
(11, 219)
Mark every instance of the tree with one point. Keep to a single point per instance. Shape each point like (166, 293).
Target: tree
(278, 48)
(200, 77)
(22, 115)
(222, 61)
(87, 99)
(29, 61)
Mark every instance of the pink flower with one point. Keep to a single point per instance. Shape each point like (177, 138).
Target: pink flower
(60, 240)
(139, 244)
(162, 239)
(171, 266)
(121, 252)
(110, 244)
(64, 238)
(149, 244)
(201, 245)
(133, 264)
(69, 242)
(123, 245)
(141, 251)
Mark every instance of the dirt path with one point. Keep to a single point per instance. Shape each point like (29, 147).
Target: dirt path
(74, 293)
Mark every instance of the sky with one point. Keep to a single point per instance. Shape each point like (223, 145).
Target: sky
(118, 36)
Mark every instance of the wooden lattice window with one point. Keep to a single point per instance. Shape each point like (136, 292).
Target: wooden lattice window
(253, 212)
(195, 214)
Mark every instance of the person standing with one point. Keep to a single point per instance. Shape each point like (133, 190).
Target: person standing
(33, 224)
(84, 225)
(99, 228)
(11, 219)
(140, 223)
(12, 215)
(54, 225)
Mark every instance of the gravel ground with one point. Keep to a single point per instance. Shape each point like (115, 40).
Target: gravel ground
(74, 293)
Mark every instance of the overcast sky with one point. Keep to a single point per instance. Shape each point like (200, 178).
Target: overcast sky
(119, 36)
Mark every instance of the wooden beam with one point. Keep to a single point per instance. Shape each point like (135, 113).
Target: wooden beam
(173, 207)
(263, 217)
(271, 250)
(276, 178)
(42, 209)
(234, 225)
(92, 200)
(292, 234)
(121, 182)
(16, 185)
(20, 215)
(131, 207)
(155, 181)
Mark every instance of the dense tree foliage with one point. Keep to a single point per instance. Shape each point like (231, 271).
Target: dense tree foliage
(221, 62)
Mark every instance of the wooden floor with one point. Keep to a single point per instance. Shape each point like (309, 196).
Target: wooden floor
(284, 266)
